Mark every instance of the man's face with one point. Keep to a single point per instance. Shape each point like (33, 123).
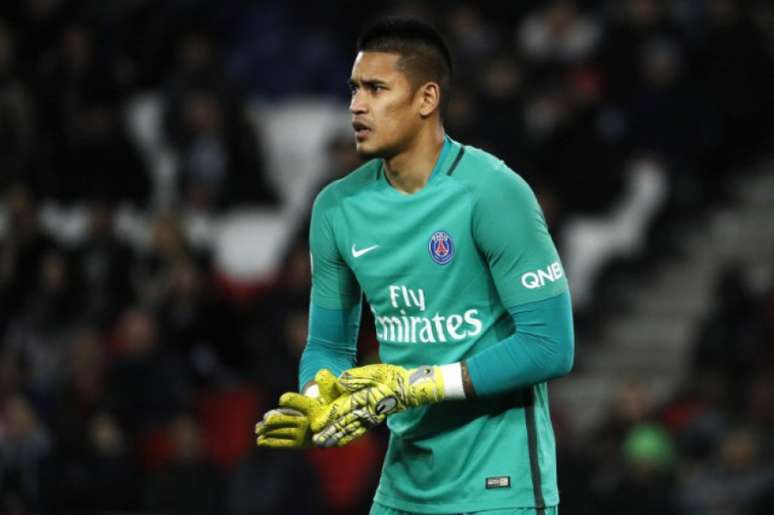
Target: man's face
(385, 112)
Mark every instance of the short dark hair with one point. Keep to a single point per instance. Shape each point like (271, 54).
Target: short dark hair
(424, 55)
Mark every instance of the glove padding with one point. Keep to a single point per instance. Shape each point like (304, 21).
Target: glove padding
(372, 392)
(350, 416)
(288, 427)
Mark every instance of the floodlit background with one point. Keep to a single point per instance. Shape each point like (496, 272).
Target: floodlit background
(157, 165)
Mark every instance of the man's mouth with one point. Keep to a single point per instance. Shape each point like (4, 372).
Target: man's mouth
(361, 130)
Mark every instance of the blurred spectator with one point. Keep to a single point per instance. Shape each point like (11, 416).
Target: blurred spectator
(188, 484)
(291, 42)
(17, 134)
(293, 337)
(737, 478)
(196, 69)
(24, 445)
(767, 312)
(218, 162)
(761, 403)
(462, 113)
(37, 333)
(632, 23)
(220, 154)
(200, 325)
(733, 64)
(22, 249)
(696, 416)
(103, 261)
(648, 475)
(474, 38)
(502, 130)
(153, 267)
(281, 326)
(665, 110)
(266, 483)
(82, 388)
(581, 147)
(100, 476)
(100, 161)
(558, 34)
(11, 375)
(91, 155)
(632, 407)
(148, 382)
(729, 344)
(183, 309)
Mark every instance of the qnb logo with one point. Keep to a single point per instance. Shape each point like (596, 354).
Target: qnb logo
(538, 278)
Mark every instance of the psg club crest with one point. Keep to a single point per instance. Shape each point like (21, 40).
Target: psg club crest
(441, 247)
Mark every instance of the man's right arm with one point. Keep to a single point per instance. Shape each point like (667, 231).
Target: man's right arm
(335, 304)
(334, 318)
(331, 343)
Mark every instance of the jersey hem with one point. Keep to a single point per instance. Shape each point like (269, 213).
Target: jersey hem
(501, 504)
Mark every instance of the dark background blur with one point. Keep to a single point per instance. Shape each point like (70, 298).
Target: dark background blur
(157, 165)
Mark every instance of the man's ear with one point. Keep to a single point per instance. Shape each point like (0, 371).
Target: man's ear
(429, 98)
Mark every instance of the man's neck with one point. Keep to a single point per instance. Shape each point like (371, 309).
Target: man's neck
(410, 170)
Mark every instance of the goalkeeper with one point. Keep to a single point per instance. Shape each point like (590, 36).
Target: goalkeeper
(469, 298)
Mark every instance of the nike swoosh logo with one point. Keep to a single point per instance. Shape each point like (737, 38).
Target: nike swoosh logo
(357, 253)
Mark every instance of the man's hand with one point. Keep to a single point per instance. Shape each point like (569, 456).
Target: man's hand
(410, 388)
(350, 416)
(289, 425)
(375, 391)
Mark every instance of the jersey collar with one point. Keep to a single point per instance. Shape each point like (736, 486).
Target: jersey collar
(442, 157)
(441, 167)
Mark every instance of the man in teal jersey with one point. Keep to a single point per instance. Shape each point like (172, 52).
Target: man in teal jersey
(451, 249)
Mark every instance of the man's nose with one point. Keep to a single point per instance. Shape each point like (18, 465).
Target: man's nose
(357, 105)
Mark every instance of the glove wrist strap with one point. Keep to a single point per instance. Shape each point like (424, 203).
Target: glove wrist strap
(452, 381)
(312, 390)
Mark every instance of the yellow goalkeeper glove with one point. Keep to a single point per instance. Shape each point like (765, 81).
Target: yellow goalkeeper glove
(410, 388)
(350, 416)
(378, 390)
(288, 427)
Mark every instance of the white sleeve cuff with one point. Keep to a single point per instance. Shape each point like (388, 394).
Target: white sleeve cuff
(452, 381)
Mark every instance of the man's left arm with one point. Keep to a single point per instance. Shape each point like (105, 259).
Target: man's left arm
(512, 235)
(542, 348)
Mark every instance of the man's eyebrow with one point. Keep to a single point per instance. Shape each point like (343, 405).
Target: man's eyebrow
(365, 82)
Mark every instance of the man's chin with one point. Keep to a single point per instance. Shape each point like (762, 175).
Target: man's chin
(367, 153)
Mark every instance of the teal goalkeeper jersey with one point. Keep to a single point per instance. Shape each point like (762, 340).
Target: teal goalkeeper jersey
(440, 268)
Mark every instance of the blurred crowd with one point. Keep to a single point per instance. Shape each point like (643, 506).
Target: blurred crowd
(131, 374)
(709, 448)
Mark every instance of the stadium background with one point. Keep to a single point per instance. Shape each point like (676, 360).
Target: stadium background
(157, 165)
